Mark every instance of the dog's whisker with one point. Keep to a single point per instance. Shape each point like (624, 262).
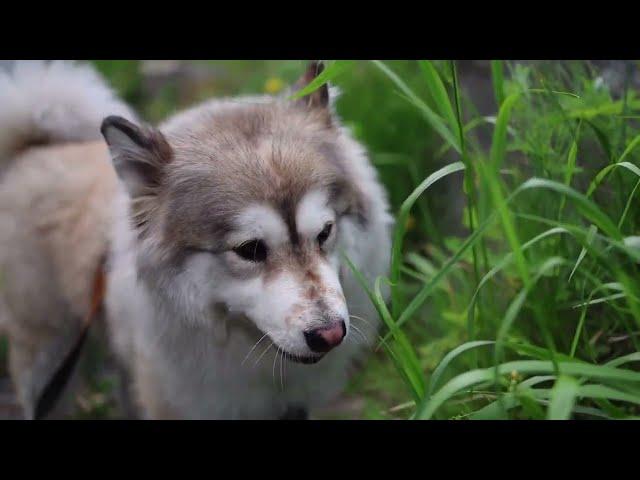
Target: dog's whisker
(367, 322)
(366, 328)
(281, 375)
(353, 340)
(273, 369)
(352, 336)
(359, 329)
(253, 348)
(264, 351)
(359, 332)
(285, 371)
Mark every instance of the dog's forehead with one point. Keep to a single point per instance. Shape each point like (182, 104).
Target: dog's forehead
(243, 120)
(274, 225)
(247, 157)
(254, 143)
(275, 170)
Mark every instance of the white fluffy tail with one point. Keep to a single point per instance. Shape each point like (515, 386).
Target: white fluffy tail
(48, 102)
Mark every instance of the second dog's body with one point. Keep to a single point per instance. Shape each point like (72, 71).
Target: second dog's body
(207, 327)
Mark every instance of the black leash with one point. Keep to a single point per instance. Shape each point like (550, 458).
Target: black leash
(56, 385)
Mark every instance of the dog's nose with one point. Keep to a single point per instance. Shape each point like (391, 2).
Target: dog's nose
(324, 339)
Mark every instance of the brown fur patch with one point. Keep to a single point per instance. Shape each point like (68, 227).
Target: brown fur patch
(224, 159)
(266, 154)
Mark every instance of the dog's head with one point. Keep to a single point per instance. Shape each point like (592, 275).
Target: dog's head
(241, 205)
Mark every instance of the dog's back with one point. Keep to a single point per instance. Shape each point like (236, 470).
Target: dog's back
(55, 184)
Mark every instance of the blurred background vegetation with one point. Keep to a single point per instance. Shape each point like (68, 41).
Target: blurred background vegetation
(518, 242)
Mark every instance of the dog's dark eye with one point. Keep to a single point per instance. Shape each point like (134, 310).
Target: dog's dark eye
(253, 250)
(324, 234)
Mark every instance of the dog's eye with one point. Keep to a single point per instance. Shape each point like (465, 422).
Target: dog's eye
(253, 250)
(324, 234)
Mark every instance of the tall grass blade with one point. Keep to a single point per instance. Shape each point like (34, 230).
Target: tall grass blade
(563, 398)
(435, 121)
(571, 167)
(605, 171)
(401, 225)
(438, 93)
(449, 357)
(331, 72)
(500, 203)
(592, 232)
(497, 75)
(589, 209)
(499, 142)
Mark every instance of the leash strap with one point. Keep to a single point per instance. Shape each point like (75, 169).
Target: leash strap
(54, 388)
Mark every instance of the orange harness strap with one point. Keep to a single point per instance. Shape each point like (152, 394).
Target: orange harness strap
(54, 388)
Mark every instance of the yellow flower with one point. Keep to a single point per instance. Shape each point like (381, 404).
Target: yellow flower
(273, 85)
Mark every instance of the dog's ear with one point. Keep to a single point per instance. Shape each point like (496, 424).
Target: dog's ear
(139, 154)
(319, 98)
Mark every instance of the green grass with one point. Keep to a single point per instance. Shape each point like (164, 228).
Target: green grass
(535, 311)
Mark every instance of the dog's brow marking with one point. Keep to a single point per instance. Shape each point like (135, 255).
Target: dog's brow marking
(312, 213)
(290, 219)
(261, 221)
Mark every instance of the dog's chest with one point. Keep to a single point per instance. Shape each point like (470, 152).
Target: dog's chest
(240, 377)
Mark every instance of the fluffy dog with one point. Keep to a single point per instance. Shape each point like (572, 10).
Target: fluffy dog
(225, 231)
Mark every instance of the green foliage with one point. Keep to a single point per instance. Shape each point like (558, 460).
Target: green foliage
(527, 292)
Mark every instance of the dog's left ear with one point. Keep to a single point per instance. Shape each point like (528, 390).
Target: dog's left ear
(139, 154)
(319, 98)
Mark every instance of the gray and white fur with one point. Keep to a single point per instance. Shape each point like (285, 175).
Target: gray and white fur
(224, 229)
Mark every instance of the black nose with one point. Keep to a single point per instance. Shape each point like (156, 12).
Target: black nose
(324, 339)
